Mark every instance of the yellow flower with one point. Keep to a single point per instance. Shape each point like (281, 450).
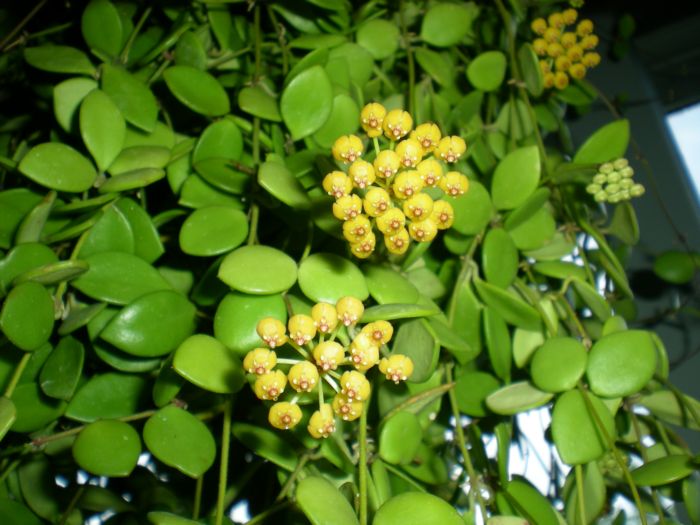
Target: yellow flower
(556, 20)
(410, 152)
(430, 171)
(337, 184)
(361, 173)
(555, 50)
(407, 183)
(349, 309)
(379, 332)
(391, 222)
(322, 422)
(584, 28)
(364, 248)
(418, 207)
(540, 46)
(377, 201)
(577, 71)
(454, 183)
(347, 207)
(575, 53)
(355, 386)
(301, 329)
(539, 26)
(428, 135)
(451, 148)
(372, 118)
(357, 229)
(259, 361)
(398, 242)
(589, 42)
(569, 16)
(397, 124)
(328, 355)
(423, 231)
(270, 385)
(548, 80)
(545, 67)
(387, 164)
(347, 148)
(364, 353)
(347, 409)
(561, 80)
(552, 35)
(272, 331)
(443, 214)
(324, 315)
(568, 39)
(590, 59)
(284, 415)
(396, 368)
(303, 377)
(562, 63)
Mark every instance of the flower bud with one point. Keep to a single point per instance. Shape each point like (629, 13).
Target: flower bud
(590, 59)
(451, 148)
(272, 331)
(322, 422)
(347, 207)
(539, 26)
(396, 367)
(454, 183)
(349, 309)
(361, 173)
(270, 385)
(397, 124)
(303, 377)
(301, 329)
(397, 243)
(552, 35)
(354, 386)
(589, 42)
(337, 184)
(376, 202)
(328, 355)
(577, 71)
(568, 39)
(407, 184)
(584, 27)
(423, 231)
(556, 20)
(563, 63)
(364, 352)
(428, 135)
(620, 163)
(259, 361)
(540, 46)
(555, 49)
(561, 80)
(575, 53)
(379, 332)
(569, 16)
(391, 222)
(371, 118)
(410, 152)
(284, 415)
(637, 190)
(387, 164)
(347, 148)
(364, 248)
(325, 316)
(357, 229)
(419, 207)
(443, 214)
(347, 409)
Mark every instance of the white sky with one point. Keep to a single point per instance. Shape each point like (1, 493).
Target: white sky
(685, 127)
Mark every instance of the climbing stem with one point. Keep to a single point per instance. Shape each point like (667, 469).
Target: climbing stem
(17, 374)
(362, 466)
(124, 55)
(580, 495)
(223, 467)
(409, 60)
(197, 504)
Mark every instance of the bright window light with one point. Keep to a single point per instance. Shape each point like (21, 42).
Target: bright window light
(685, 128)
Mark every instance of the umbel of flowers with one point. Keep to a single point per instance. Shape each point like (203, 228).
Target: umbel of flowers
(566, 53)
(397, 190)
(614, 183)
(323, 359)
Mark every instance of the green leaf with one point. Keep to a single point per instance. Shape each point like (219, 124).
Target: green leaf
(21, 259)
(152, 325)
(399, 438)
(529, 501)
(34, 409)
(167, 518)
(328, 277)
(487, 71)
(536, 231)
(621, 363)
(516, 178)
(560, 270)
(607, 143)
(39, 489)
(8, 415)
(67, 97)
(190, 52)
(266, 444)
(415, 341)
(498, 343)
(58, 167)
(222, 139)
(281, 183)
(499, 258)
(180, 440)
(597, 303)
(390, 312)
(664, 470)
(388, 286)
(15, 513)
(59, 59)
(111, 232)
(451, 340)
(213, 230)
(675, 267)
(27, 316)
(446, 24)
(665, 405)
(558, 364)
(473, 210)
(379, 37)
(594, 495)
(306, 102)
(314, 41)
(102, 27)
(109, 395)
(237, 317)
(258, 270)
(323, 504)
(198, 90)
(139, 157)
(147, 243)
(31, 227)
(516, 397)
(221, 173)
(575, 431)
(356, 58)
(471, 390)
(624, 224)
(256, 101)
(119, 278)
(530, 67)
(107, 448)
(62, 370)
(207, 363)
(343, 120)
(417, 508)
(436, 66)
(527, 209)
(514, 310)
(133, 98)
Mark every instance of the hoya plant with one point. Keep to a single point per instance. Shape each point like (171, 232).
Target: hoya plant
(320, 261)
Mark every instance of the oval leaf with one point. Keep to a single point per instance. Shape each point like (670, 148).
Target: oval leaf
(27, 316)
(207, 363)
(258, 270)
(607, 143)
(58, 167)
(107, 448)
(328, 277)
(417, 508)
(213, 230)
(516, 178)
(198, 90)
(306, 102)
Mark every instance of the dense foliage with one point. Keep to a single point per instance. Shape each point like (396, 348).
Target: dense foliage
(204, 212)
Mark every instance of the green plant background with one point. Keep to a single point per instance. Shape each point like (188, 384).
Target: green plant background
(161, 168)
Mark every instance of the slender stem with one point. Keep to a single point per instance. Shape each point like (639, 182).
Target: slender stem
(22, 23)
(253, 228)
(616, 453)
(643, 452)
(279, 28)
(362, 466)
(681, 398)
(462, 443)
(292, 477)
(197, 505)
(579, 488)
(124, 55)
(17, 374)
(408, 479)
(223, 467)
(572, 314)
(260, 518)
(409, 59)
(73, 502)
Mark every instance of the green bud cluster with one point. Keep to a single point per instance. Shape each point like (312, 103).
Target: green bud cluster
(614, 183)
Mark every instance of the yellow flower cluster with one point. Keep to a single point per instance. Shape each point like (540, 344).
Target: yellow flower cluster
(568, 54)
(320, 362)
(387, 193)
(613, 183)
